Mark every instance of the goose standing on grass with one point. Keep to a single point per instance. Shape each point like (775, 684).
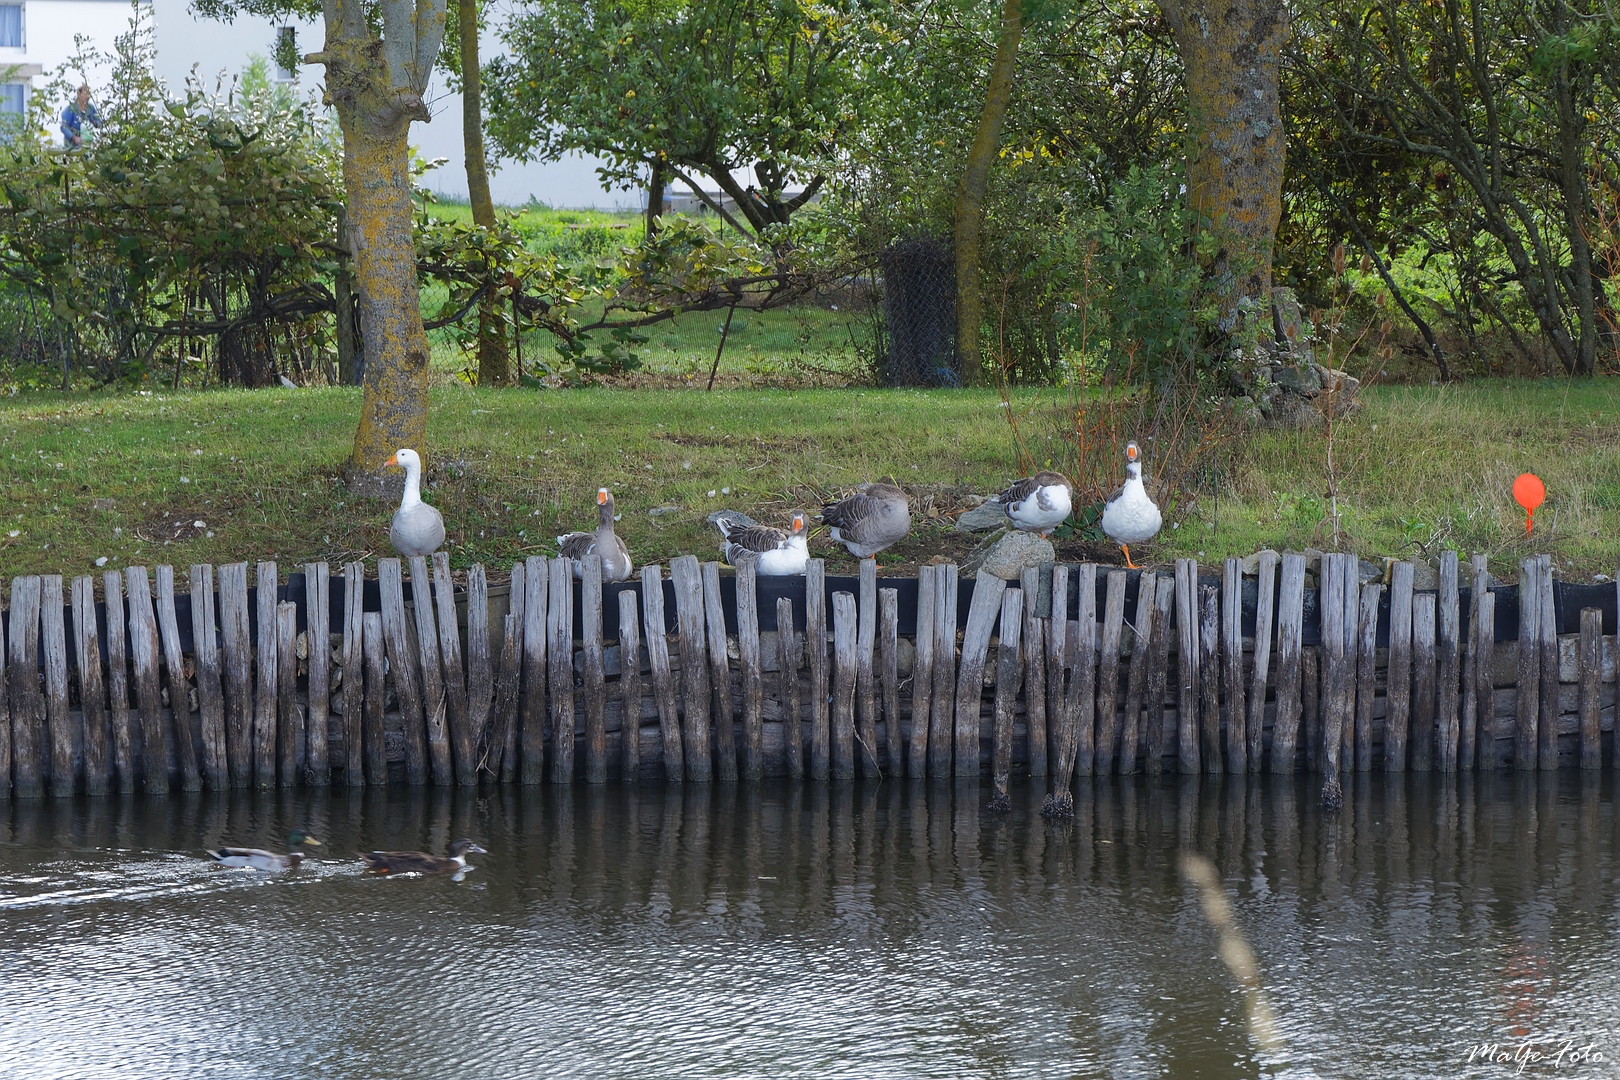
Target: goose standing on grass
(420, 862)
(604, 541)
(418, 528)
(873, 518)
(260, 859)
(774, 552)
(1038, 503)
(1131, 516)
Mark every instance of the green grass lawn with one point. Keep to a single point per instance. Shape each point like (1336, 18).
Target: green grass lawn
(129, 477)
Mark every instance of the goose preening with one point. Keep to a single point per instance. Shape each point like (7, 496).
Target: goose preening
(1038, 503)
(604, 541)
(870, 520)
(1131, 516)
(774, 552)
(260, 859)
(418, 528)
(420, 862)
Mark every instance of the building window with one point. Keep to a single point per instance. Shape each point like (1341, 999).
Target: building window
(286, 54)
(13, 98)
(11, 26)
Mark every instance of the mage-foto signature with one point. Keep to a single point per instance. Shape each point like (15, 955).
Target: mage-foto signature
(1531, 1054)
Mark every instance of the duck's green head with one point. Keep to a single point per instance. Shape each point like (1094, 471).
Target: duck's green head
(297, 839)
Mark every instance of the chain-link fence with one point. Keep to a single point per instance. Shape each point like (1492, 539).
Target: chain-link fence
(919, 315)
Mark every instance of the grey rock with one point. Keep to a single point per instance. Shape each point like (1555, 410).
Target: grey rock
(1251, 563)
(1291, 411)
(987, 515)
(1301, 380)
(659, 513)
(735, 515)
(1007, 556)
(1286, 318)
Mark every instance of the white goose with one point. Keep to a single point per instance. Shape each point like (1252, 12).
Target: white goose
(604, 541)
(418, 528)
(774, 552)
(1038, 503)
(1131, 516)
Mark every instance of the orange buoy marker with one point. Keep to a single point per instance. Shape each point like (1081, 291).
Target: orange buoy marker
(1529, 492)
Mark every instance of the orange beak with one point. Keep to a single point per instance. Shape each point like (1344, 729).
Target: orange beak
(601, 498)
(1130, 453)
(798, 521)
(393, 460)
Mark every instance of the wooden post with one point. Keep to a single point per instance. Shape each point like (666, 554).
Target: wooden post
(922, 673)
(1423, 683)
(865, 681)
(210, 694)
(435, 700)
(687, 576)
(1158, 680)
(1131, 732)
(1080, 706)
(1209, 676)
(590, 633)
(507, 679)
(509, 724)
(179, 689)
(264, 687)
(1187, 758)
(1351, 580)
(663, 680)
(531, 741)
(1366, 673)
(815, 652)
(1468, 728)
(1334, 677)
(401, 668)
(92, 692)
(354, 678)
(629, 686)
(889, 677)
(59, 721)
(143, 646)
(943, 707)
(318, 635)
(1290, 616)
(464, 765)
(1485, 740)
(1008, 670)
(1529, 691)
(27, 702)
(1591, 686)
(372, 737)
(787, 673)
(112, 589)
(1547, 724)
(723, 711)
(236, 645)
(981, 620)
(753, 673)
(1237, 741)
(1398, 700)
(845, 659)
(1057, 661)
(1448, 616)
(1265, 608)
(290, 719)
(5, 718)
(1034, 649)
(480, 667)
(1108, 673)
(560, 665)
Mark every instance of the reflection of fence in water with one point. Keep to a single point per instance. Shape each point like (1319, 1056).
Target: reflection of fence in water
(1094, 671)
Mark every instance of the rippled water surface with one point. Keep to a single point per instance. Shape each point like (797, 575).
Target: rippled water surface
(887, 930)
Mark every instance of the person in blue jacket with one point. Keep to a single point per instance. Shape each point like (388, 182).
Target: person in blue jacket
(75, 116)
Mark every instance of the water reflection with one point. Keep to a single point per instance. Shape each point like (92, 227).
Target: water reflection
(859, 931)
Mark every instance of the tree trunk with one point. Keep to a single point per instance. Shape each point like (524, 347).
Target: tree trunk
(969, 214)
(1231, 53)
(657, 179)
(494, 365)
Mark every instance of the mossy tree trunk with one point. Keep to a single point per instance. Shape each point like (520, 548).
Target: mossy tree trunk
(376, 85)
(494, 364)
(1231, 54)
(969, 213)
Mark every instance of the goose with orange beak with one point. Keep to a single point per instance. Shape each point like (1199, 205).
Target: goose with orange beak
(418, 528)
(1131, 516)
(774, 552)
(604, 542)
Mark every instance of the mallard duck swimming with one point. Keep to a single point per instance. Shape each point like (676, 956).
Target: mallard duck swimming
(774, 552)
(604, 541)
(420, 862)
(418, 528)
(1131, 516)
(873, 518)
(260, 859)
(1038, 503)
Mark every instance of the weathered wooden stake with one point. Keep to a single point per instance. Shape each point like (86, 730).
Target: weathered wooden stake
(1352, 652)
(464, 764)
(290, 716)
(318, 636)
(1335, 679)
(480, 666)
(787, 669)
(1423, 683)
(517, 598)
(595, 669)
(143, 645)
(1008, 677)
(112, 588)
(507, 679)
(687, 576)
(354, 677)
(1131, 730)
(1265, 609)
(401, 669)
(1108, 673)
(1188, 687)
(1366, 673)
(1290, 616)
(1209, 679)
(981, 620)
(943, 707)
(237, 650)
(1485, 745)
(536, 642)
(1310, 698)
(59, 720)
(1547, 724)
(5, 718)
(1398, 699)
(174, 663)
(268, 583)
(1034, 677)
(27, 701)
(435, 700)
(1237, 742)
(1529, 686)
(374, 752)
(843, 699)
(922, 673)
(629, 686)
(1590, 665)
(1080, 705)
(1056, 644)
(865, 680)
(663, 679)
(723, 711)
(1469, 728)
(92, 692)
(1158, 681)
(888, 676)
(560, 664)
(815, 653)
(753, 673)
(1448, 615)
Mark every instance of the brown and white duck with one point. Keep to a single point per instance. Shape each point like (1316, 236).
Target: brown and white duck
(604, 542)
(875, 517)
(1130, 515)
(420, 862)
(1038, 503)
(418, 529)
(774, 552)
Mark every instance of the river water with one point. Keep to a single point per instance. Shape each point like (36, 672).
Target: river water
(863, 931)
